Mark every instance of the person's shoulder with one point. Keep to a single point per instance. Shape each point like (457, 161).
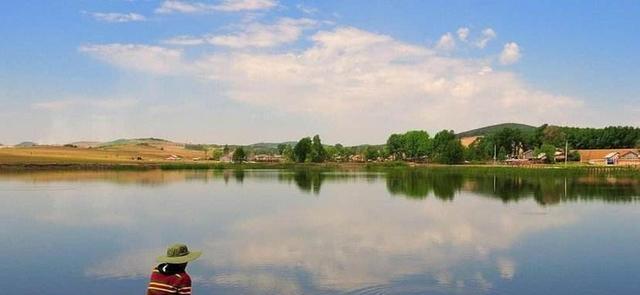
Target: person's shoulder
(184, 278)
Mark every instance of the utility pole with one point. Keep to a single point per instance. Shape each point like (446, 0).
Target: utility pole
(566, 152)
(495, 155)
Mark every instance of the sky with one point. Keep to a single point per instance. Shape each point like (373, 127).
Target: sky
(246, 71)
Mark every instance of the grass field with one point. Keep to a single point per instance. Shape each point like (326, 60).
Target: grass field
(117, 154)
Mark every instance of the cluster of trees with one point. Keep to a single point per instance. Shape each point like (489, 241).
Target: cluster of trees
(239, 155)
(446, 148)
(509, 142)
(504, 143)
(601, 138)
(416, 145)
(309, 150)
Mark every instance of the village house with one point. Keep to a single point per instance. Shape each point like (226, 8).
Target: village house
(264, 158)
(356, 158)
(610, 156)
(174, 158)
(559, 155)
(629, 158)
(226, 158)
(527, 155)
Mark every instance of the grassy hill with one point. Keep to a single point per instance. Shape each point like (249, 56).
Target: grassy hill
(489, 129)
(135, 141)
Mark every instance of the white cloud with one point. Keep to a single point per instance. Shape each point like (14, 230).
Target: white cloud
(463, 34)
(331, 242)
(510, 53)
(286, 30)
(446, 42)
(113, 17)
(143, 58)
(349, 74)
(488, 34)
(306, 9)
(238, 5)
(185, 41)
(176, 6)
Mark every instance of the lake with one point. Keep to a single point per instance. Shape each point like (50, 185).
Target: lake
(402, 231)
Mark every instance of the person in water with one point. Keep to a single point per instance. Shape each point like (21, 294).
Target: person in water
(170, 276)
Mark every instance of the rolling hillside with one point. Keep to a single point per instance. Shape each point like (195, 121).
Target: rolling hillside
(488, 129)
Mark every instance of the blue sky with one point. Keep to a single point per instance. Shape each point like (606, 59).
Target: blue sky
(243, 71)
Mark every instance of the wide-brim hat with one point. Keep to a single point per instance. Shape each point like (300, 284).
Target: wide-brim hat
(179, 253)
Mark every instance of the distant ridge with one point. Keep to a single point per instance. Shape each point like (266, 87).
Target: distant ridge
(123, 141)
(86, 144)
(271, 145)
(489, 129)
(26, 144)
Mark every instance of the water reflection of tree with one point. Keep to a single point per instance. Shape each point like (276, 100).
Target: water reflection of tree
(549, 190)
(545, 190)
(239, 175)
(417, 184)
(306, 180)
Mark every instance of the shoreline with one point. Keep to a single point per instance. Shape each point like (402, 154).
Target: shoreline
(13, 167)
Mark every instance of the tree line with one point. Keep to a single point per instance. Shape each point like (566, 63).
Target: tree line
(444, 147)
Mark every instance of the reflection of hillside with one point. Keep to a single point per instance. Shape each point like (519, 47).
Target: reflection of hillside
(145, 177)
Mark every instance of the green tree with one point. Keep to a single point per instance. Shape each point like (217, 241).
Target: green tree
(318, 154)
(573, 156)
(288, 154)
(281, 148)
(554, 135)
(216, 154)
(239, 155)
(548, 150)
(395, 145)
(416, 144)
(302, 150)
(502, 154)
(447, 149)
(371, 153)
(225, 150)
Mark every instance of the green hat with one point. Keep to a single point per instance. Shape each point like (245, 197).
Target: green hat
(179, 253)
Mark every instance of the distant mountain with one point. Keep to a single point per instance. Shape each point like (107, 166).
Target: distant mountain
(270, 145)
(86, 144)
(489, 129)
(132, 141)
(26, 144)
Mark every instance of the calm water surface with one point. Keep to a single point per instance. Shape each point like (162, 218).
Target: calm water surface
(283, 232)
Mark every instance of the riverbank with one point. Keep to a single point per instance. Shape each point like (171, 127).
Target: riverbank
(557, 169)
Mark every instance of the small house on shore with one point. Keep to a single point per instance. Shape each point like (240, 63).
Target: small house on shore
(264, 158)
(629, 158)
(610, 156)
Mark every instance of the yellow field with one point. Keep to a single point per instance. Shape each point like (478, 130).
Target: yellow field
(152, 153)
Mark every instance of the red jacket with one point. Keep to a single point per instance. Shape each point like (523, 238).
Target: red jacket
(162, 283)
